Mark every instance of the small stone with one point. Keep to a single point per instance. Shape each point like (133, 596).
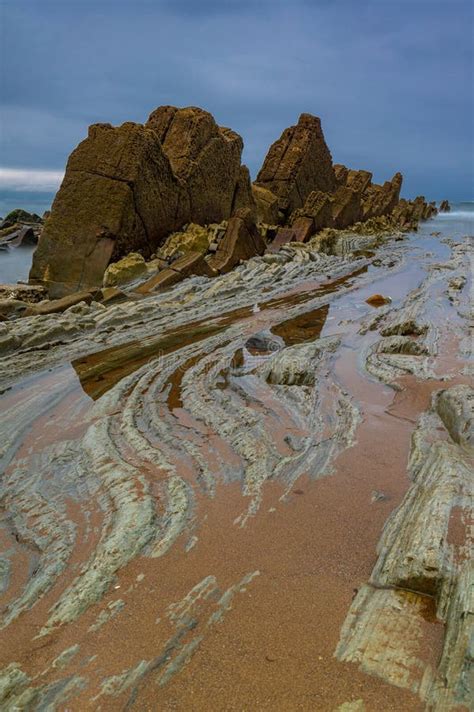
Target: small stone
(378, 300)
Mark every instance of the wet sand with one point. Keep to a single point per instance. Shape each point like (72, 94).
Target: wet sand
(261, 633)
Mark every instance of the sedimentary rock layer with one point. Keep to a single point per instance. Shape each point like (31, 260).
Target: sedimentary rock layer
(209, 453)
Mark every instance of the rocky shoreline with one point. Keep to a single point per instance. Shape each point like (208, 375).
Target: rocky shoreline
(205, 491)
(174, 192)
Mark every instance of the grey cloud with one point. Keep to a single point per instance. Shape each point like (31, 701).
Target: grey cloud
(390, 80)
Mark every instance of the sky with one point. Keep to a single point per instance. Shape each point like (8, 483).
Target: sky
(391, 80)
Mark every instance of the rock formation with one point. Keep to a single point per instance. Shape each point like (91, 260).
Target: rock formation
(126, 188)
(241, 241)
(380, 200)
(298, 163)
(119, 195)
(206, 158)
(125, 270)
(267, 205)
(317, 207)
(444, 207)
(179, 178)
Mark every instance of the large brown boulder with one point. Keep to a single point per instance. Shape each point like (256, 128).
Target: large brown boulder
(126, 188)
(241, 241)
(206, 157)
(119, 195)
(298, 163)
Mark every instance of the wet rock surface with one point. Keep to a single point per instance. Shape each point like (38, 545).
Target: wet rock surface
(205, 492)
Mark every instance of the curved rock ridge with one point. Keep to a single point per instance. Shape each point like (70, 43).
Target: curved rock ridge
(227, 447)
(111, 461)
(418, 557)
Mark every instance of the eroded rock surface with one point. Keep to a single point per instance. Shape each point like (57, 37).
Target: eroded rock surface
(298, 163)
(183, 460)
(126, 188)
(206, 158)
(119, 194)
(419, 556)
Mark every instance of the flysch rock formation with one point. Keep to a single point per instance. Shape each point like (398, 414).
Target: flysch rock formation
(165, 374)
(426, 549)
(203, 453)
(419, 561)
(298, 163)
(127, 189)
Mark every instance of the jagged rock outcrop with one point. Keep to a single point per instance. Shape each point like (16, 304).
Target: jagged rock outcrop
(353, 199)
(444, 207)
(337, 210)
(241, 241)
(243, 194)
(298, 163)
(206, 157)
(126, 188)
(119, 195)
(408, 213)
(19, 216)
(380, 200)
(317, 207)
(357, 180)
(345, 207)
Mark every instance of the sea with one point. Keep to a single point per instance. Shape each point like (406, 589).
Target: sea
(15, 262)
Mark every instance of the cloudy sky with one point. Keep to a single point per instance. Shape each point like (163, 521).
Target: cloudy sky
(391, 79)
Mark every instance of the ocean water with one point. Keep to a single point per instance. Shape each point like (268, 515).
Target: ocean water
(32, 201)
(15, 263)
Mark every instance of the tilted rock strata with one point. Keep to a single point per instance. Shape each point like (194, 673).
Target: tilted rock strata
(298, 163)
(126, 188)
(241, 241)
(119, 194)
(215, 382)
(267, 205)
(206, 158)
(417, 558)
